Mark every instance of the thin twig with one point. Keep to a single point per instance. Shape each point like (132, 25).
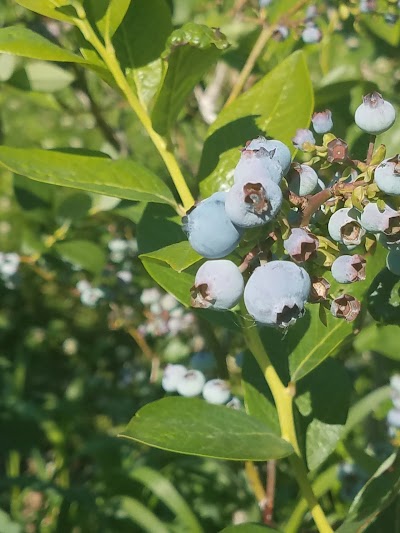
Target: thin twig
(268, 510)
(147, 351)
(370, 148)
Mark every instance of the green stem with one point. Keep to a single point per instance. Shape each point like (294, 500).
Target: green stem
(107, 54)
(283, 397)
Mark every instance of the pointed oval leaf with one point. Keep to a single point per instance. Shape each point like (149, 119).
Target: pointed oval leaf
(194, 427)
(44, 7)
(83, 254)
(122, 178)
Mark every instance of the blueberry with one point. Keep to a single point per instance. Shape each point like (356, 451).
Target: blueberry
(387, 175)
(393, 262)
(276, 293)
(367, 6)
(253, 203)
(311, 34)
(218, 285)
(216, 391)
(386, 221)
(393, 418)
(282, 153)
(395, 383)
(301, 245)
(203, 361)
(303, 136)
(258, 164)
(235, 403)
(91, 296)
(191, 383)
(322, 121)
(172, 375)
(9, 264)
(210, 230)
(344, 227)
(348, 268)
(302, 179)
(345, 306)
(375, 115)
(281, 33)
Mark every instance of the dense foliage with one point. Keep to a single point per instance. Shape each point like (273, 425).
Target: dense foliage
(141, 198)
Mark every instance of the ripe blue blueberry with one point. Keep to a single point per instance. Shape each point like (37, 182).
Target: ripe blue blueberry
(218, 285)
(257, 164)
(253, 203)
(344, 227)
(311, 34)
(216, 391)
(348, 268)
(387, 175)
(302, 179)
(345, 306)
(191, 383)
(276, 293)
(301, 245)
(171, 377)
(375, 115)
(282, 153)
(302, 137)
(386, 221)
(209, 229)
(322, 121)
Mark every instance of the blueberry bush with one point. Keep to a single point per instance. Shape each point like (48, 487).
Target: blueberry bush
(199, 266)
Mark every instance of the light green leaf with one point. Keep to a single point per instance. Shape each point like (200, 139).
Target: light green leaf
(103, 12)
(23, 42)
(56, 10)
(194, 427)
(139, 514)
(374, 497)
(190, 52)
(46, 77)
(382, 339)
(167, 493)
(377, 25)
(122, 178)
(280, 103)
(83, 254)
(178, 256)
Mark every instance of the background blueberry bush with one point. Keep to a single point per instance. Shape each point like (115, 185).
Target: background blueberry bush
(121, 341)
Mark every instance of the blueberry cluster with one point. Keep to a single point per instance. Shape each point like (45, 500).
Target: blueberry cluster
(293, 252)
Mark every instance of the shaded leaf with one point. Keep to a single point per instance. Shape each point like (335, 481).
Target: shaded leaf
(122, 178)
(382, 339)
(98, 11)
(190, 52)
(139, 514)
(45, 8)
(249, 528)
(178, 256)
(194, 427)
(83, 254)
(384, 298)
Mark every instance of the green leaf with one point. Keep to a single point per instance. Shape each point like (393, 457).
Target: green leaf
(83, 254)
(190, 52)
(374, 497)
(378, 26)
(381, 339)
(280, 103)
(178, 256)
(139, 514)
(122, 178)
(194, 427)
(383, 298)
(167, 493)
(248, 527)
(23, 42)
(323, 398)
(159, 226)
(101, 12)
(44, 7)
(74, 206)
(257, 396)
(46, 77)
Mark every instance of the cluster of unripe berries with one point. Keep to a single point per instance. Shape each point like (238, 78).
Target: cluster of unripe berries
(276, 291)
(192, 382)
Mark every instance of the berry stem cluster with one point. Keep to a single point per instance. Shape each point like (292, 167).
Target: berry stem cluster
(283, 397)
(107, 53)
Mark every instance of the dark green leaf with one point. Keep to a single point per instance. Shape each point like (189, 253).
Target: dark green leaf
(83, 254)
(159, 226)
(382, 339)
(23, 42)
(249, 528)
(123, 178)
(384, 298)
(365, 407)
(147, 520)
(195, 427)
(277, 106)
(377, 25)
(190, 52)
(374, 497)
(74, 206)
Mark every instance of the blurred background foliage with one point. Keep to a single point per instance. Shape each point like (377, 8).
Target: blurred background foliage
(82, 335)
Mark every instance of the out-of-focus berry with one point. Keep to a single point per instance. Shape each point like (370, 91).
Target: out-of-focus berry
(203, 361)
(345, 306)
(301, 245)
(276, 293)
(210, 231)
(253, 203)
(393, 418)
(375, 115)
(171, 377)
(191, 384)
(387, 175)
(218, 285)
(322, 121)
(391, 18)
(216, 391)
(344, 227)
(281, 33)
(235, 403)
(367, 6)
(9, 264)
(303, 136)
(150, 296)
(302, 179)
(311, 34)
(348, 268)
